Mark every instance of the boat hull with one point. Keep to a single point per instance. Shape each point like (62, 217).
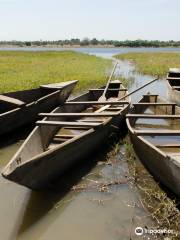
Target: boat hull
(173, 95)
(62, 160)
(163, 168)
(18, 117)
(38, 162)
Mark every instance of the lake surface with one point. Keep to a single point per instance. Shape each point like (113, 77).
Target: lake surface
(102, 52)
(88, 211)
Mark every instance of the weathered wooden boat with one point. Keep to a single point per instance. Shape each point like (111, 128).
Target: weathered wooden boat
(154, 127)
(22, 107)
(66, 135)
(173, 82)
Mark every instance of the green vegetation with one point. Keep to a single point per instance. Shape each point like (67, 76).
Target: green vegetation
(25, 70)
(152, 63)
(95, 42)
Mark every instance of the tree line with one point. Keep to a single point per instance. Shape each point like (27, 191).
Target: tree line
(94, 42)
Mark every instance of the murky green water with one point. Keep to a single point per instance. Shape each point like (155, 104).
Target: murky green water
(96, 200)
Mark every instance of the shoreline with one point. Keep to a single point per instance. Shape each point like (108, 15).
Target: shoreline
(78, 46)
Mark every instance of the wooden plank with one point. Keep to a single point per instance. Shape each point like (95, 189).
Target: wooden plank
(153, 104)
(157, 132)
(11, 100)
(153, 116)
(92, 120)
(78, 114)
(98, 103)
(67, 124)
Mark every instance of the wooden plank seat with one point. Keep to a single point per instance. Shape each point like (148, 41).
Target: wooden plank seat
(91, 120)
(157, 132)
(153, 116)
(67, 124)
(97, 103)
(77, 114)
(11, 100)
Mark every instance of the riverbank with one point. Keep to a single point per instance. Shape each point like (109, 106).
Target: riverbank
(25, 70)
(152, 63)
(80, 46)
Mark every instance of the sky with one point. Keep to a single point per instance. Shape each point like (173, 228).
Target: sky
(102, 19)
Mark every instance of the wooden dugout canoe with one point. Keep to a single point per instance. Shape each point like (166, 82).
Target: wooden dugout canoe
(154, 127)
(22, 107)
(66, 135)
(173, 82)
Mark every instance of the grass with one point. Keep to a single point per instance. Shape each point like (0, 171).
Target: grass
(152, 63)
(25, 70)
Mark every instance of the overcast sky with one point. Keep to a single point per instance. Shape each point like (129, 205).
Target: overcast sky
(103, 19)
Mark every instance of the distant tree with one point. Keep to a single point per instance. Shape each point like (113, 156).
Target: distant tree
(85, 42)
(102, 42)
(75, 41)
(28, 44)
(94, 41)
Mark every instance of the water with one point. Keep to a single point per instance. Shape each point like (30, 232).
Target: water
(92, 210)
(101, 52)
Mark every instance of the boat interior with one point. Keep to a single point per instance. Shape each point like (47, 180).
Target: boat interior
(158, 122)
(12, 100)
(174, 80)
(81, 115)
(72, 120)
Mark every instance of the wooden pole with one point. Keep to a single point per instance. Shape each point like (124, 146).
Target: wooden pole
(103, 97)
(127, 95)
